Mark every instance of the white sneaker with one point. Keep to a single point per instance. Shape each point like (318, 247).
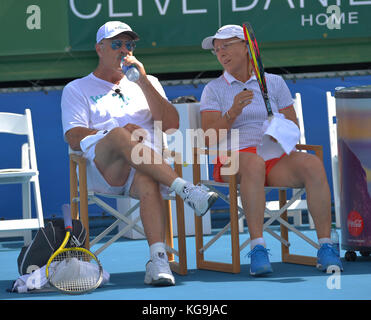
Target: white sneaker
(158, 271)
(198, 198)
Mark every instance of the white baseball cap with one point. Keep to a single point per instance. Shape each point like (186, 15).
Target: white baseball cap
(225, 32)
(113, 28)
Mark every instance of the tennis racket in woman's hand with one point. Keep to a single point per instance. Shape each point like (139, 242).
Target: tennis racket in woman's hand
(72, 269)
(257, 64)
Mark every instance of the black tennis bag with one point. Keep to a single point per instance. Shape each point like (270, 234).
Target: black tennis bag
(46, 241)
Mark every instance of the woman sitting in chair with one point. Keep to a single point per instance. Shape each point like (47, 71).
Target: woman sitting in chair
(234, 101)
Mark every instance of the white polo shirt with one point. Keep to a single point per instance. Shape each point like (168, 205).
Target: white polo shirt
(219, 93)
(91, 102)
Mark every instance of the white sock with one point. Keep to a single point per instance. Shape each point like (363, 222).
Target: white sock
(156, 248)
(321, 241)
(178, 185)
(257, 241)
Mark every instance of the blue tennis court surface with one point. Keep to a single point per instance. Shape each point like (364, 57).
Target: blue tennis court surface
(125, 261)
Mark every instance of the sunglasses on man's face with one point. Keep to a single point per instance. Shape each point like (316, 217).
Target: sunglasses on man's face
(117, 44)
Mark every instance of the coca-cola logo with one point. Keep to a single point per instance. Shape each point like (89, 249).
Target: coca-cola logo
(355, 223)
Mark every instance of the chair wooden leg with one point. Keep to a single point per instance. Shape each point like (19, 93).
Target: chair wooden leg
(234, 225)
(198, 220)
(84, 200)
(73, 190)
(285, 251)
(182, 249)
(169, 228)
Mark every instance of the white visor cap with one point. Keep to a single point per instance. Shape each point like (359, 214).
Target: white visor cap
(225, 32)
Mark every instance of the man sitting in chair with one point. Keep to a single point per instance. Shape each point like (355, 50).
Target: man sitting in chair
(102, 114)
(234, 101)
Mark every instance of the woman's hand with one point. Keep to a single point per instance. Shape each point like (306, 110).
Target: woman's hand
(240, 101)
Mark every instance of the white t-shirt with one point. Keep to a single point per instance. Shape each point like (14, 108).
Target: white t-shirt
(219, 93)
(91, 102)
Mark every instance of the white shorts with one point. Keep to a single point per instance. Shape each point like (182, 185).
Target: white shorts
(95, 180)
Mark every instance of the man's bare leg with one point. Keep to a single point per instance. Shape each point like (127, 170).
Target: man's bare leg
(114, 154)
(152, 211)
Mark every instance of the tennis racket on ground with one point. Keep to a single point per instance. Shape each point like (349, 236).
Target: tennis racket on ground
(257, 64)
(72, 269)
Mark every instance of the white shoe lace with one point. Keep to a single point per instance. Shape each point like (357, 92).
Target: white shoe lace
(194, 195)
(161, 264)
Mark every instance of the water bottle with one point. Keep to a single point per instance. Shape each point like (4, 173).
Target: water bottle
(335, 239)
(131, 72)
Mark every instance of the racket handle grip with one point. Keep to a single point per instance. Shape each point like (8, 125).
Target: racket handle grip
(67, 216)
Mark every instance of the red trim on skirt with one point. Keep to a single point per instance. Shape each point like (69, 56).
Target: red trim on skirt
(269, 164)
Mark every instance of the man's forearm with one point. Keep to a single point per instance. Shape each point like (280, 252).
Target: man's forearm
(161, 109)
(75, 135)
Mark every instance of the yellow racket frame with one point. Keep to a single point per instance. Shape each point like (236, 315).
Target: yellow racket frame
(63, 249)
(59, 250)
(252, 53)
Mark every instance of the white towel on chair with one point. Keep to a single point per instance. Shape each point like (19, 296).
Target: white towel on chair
(285, 131)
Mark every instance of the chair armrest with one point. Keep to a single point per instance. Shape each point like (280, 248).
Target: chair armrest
(77, 158)
(317, 149)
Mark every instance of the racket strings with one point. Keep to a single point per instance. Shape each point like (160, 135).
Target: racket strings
(73, 286)
(74, 271)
